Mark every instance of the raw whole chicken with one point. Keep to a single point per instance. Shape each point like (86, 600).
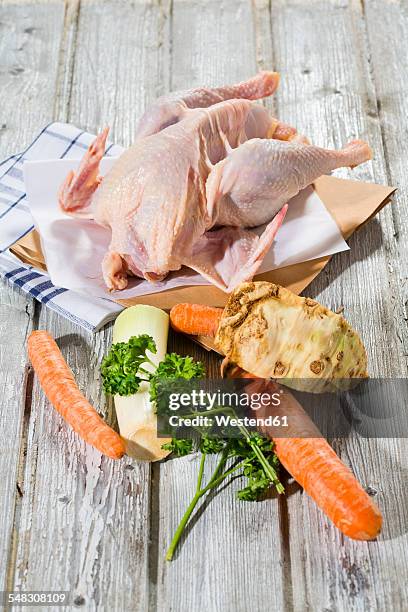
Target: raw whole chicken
(206, 165)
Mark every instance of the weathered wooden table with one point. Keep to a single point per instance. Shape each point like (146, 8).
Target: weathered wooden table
(74, 521)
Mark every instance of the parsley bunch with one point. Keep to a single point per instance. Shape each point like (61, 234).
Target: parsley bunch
(250, 456)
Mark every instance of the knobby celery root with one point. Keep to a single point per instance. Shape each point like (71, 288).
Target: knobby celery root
(273, 333)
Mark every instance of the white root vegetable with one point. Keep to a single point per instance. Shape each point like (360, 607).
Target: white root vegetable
(135, 413)
(271, 332)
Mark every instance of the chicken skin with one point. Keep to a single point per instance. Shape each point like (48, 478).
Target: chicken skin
(206, 165)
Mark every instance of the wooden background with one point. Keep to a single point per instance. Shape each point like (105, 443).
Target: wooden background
(73, 520)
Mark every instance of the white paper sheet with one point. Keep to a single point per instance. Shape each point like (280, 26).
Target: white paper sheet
(74, 248)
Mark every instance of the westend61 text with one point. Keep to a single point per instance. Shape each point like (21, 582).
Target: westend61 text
(223, 420)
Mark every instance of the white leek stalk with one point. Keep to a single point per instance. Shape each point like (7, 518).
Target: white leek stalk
(135, 413)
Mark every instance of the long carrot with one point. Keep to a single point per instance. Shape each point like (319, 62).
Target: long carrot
(315, 466)
(195, 319)
(58, 384)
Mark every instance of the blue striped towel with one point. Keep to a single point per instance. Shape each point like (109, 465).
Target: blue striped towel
(56, 141)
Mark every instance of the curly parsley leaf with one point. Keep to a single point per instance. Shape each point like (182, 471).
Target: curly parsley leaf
(258, 481)
(122, 370)
(174, 367)
(211, 446)
(180, 448)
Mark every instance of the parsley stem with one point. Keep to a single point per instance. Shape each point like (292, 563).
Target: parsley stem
(181, 526)
(220, 465)
(270, 472)
(200, 473)
(268, 469)
(190, 509)
(214, 481)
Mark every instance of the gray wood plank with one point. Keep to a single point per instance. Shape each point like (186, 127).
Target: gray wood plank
(85, 519)
(29, 47)
(29, 42)
(389, 68)
(387, 30)
(231, 559)
(16, 316)
(118, 65)
(320, 50)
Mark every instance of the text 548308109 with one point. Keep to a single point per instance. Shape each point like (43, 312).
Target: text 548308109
(34, 598)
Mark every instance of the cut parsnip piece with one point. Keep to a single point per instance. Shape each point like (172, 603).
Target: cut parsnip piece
(135, 413)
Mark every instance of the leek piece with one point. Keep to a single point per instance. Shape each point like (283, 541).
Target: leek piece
(135, 413)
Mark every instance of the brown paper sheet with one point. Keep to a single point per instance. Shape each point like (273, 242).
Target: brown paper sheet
(351, 203)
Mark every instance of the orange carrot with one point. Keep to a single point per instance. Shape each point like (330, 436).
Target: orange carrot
(58, 384)
(315, 466)
(195, 319)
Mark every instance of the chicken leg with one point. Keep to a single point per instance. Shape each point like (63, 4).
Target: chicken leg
(247, 189)
(254, 181)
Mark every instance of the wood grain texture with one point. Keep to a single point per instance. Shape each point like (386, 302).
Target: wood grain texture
(28, 44)
(85, 519)
(213, 43)
(321, 51)
(16, 315)
(230, 558)
(118, 64)
(387, 52)
(100, 529)
(387, 48)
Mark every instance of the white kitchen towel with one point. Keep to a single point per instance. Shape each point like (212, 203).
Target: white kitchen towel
(55, 141)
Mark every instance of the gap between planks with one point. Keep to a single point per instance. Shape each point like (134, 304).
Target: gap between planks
(26, 401)
(66, 60)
